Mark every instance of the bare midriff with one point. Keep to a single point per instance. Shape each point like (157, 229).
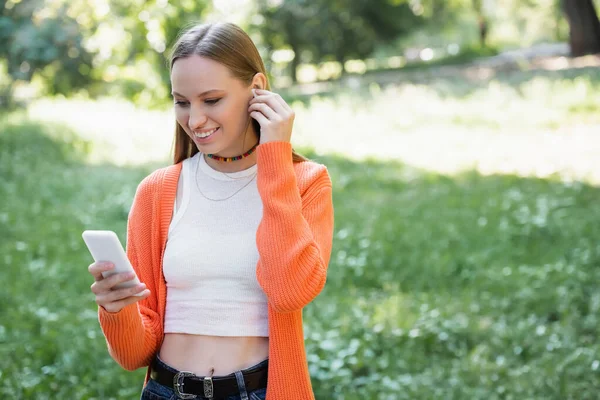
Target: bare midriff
(201, 353)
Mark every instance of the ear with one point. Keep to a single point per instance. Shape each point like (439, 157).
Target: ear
(259, 81)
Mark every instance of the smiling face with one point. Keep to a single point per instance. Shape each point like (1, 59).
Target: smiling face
(212, 106)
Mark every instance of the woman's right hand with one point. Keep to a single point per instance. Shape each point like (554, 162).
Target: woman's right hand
(113, 300)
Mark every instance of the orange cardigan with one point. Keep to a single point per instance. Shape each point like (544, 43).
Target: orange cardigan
(294, 241)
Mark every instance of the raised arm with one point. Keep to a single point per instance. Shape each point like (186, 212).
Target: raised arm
(295, 235)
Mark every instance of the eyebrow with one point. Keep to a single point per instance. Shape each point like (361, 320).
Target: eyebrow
(201, 94)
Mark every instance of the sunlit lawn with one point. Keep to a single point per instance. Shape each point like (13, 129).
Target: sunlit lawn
(441, 285)
(524, 123)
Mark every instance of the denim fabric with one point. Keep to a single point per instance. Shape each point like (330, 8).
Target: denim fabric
(155, 391)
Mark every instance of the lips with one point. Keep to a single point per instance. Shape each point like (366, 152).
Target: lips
(205, 134)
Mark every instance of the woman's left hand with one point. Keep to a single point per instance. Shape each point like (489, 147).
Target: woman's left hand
(274, 115)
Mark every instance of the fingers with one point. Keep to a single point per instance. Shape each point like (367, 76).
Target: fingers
(283, 102)
(276, 96)
(265, 110)
(257, 115)
(273, 114)
(115, 296)
(107, 284)
(111, 299)
(116, 306)
(274, 100)
(96, 269)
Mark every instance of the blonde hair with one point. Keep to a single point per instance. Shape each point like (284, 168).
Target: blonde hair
(225, 43)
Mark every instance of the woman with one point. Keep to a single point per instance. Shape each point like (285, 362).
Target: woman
(230, 242)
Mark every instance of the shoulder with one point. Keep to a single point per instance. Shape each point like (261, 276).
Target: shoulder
(159, 177)
(150, 188)
(311, 176)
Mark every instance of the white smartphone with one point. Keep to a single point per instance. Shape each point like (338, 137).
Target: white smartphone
(105, 246)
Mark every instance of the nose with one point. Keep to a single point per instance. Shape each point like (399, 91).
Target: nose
(197, 119)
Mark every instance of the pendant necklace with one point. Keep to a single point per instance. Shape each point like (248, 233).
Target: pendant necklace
(228, 197)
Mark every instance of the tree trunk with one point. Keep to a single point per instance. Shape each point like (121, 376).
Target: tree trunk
(584, 27)
(483, 31)
(482, 22)
(294, 64)
(341, 58)
(7, 100)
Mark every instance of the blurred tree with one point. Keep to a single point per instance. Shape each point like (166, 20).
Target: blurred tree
(153, 27)
(339, 30)
(37, 39)
(108, 47)
(584, 32)
(482, 20)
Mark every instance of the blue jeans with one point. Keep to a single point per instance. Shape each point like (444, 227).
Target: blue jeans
(155, 391)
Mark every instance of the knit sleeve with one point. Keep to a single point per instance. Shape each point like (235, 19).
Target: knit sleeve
(134, 333)
(294, 237)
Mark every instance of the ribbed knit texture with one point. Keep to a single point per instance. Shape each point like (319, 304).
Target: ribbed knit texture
(294, 244)
(211, 255)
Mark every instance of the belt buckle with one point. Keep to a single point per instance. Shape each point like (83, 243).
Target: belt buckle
(178, 385)
(208, 387)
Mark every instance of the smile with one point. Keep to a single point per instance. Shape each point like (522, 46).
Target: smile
(205, 134)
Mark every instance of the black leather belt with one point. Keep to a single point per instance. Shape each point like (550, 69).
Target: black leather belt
(188, 385)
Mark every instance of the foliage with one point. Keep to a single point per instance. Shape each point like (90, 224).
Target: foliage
(113, 47)
(333, 30)
(154, 27)
(35, 40)
(118, 47)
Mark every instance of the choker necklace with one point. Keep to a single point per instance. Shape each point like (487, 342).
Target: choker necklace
(230, 159)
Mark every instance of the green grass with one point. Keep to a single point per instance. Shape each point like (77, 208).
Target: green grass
(50, 343)
(467, 287)
(481, 284)
(439, 287)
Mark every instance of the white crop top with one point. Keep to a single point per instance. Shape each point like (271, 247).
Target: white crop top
(210, 258)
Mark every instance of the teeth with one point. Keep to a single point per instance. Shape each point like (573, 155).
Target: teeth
(205, 134)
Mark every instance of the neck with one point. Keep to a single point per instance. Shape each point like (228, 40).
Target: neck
(237, 165)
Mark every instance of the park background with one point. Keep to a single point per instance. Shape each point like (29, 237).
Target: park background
(462, 141)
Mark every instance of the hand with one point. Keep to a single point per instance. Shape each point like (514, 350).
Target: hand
(274, 115)
(114, 300)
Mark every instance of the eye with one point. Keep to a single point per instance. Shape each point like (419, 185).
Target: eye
(211, 101)
(180, 103)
